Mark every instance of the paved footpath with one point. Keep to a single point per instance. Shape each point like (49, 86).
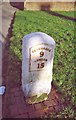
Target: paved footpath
(14, 104)
(7, 15)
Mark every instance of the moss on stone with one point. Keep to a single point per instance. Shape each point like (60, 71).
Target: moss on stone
(42, 97)
(35, 99)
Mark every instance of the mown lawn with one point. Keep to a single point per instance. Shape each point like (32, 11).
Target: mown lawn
(67, 13)
(63, 33)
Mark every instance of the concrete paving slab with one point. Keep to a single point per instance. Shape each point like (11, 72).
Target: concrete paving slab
(7, 15)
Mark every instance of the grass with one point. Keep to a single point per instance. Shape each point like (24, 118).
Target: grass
(63, 33)
(67, 13)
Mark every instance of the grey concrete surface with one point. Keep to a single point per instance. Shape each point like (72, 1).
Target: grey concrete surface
(7, 15)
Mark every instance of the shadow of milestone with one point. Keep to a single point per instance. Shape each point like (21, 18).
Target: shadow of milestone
(18, 5)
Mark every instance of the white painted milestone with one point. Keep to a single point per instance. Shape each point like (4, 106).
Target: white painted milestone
(37, 63)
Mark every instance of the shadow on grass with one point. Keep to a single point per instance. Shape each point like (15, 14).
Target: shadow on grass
(14, 70)
(61, 16)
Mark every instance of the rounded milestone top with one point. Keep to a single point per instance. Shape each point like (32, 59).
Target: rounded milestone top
(40, 37)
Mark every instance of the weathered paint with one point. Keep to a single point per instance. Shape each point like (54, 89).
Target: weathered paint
(37, 64)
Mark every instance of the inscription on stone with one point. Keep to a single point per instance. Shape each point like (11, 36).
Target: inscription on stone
(40, 57)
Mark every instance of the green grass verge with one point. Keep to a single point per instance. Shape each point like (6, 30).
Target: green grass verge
(67, 13)
(63, 33)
